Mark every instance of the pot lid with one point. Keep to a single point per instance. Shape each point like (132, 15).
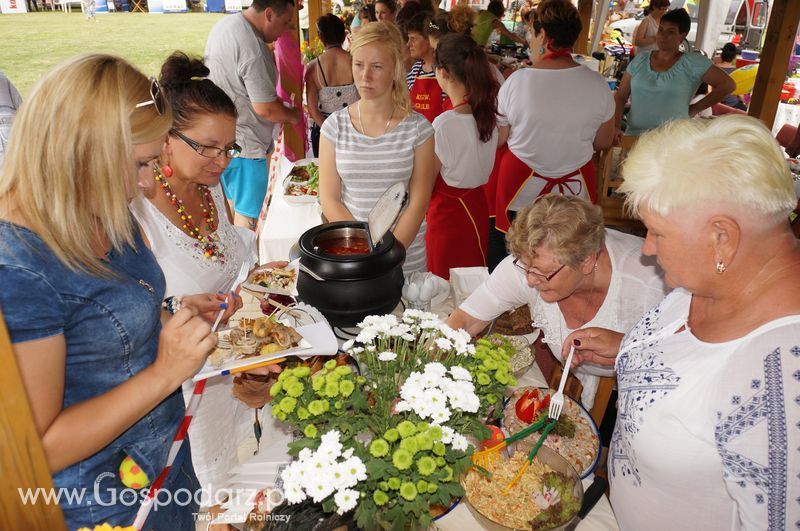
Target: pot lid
(385, 212)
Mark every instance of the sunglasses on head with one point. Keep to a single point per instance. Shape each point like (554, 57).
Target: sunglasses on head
(156, 97)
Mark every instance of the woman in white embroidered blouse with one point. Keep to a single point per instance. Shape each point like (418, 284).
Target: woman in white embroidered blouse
(708, 431)
(572, 272)
(188, 227)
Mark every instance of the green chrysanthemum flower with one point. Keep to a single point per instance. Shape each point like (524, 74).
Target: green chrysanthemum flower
(383, 485)
(283, 375)
(406, 429)
(317, 382)
(391, 435)
(343, 370)
(310, 431)
(424, 441)
(302, 372)
(276, 408)
(378, 448)
(290, 380)
(491, 399)
(410, 445)
(422, 426)
(338, 404)
(435, 433)
(332, 389)
(288, 404)
(422, 486)
(448, 474)
(394, 483)
(408, 491)
(432, 488)
(502, 376)
(484, 379)
(281, 416)
(426, 465)
(439, 448)
(361, 380)
(316, 407)
(346, 387)
(330, 365)
(302, 413)
(440, 462)
(380, 498)
(295, 390)
(332, 377)
(402, 459)
(490, 364)
(276, 388)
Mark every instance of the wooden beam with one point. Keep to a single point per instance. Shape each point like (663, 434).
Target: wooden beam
(772, 70)
(23, 464)
(585, 11)
(314, 12)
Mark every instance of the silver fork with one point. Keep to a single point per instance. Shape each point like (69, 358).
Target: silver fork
(557, 400)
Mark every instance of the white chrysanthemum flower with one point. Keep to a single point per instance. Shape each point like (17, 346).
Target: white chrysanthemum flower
(294, 492)
(402, 407)
(347, 345)
(444, 343)
(460, 442)
(447, 434)
(304, 454)
(354, 469)
(430, 324)
(435, 368)
(319, 487)
(440, 416)
(346, 500)
(460, 373)
(387, 356)
(435, 398)
(347, 453)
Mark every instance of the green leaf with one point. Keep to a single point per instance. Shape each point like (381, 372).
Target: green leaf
(296, 446)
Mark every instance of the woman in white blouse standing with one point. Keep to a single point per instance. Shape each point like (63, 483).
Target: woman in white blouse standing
(708, 430)
(377, 142)
(572, 272)
(186, 224)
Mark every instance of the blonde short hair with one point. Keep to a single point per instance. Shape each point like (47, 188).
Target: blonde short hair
(387, 35)
(687, 163)
(69, 168)
(570, 227)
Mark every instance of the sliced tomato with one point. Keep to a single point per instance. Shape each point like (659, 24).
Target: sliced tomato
(496, 438)
(526, 405)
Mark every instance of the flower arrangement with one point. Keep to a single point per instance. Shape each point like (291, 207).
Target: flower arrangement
(391, 443)
(311, 49)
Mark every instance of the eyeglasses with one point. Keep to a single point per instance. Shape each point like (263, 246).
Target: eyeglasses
(156, 97)
(211, 152)
(547, 278)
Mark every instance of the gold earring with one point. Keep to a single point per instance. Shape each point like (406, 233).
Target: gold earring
(721, 267)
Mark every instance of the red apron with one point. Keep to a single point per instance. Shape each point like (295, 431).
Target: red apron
(458, 228)
(510, 175)
(426, 97)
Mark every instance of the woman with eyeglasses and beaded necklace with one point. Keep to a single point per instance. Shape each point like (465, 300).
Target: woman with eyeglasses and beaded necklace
(81, 293)
(572, 272)
(189, 229)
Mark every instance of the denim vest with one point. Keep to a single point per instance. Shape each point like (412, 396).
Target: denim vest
(111, 327)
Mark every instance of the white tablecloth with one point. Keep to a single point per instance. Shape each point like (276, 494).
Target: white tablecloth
(285, 222)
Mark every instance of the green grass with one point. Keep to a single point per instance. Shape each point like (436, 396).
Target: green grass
(35, 42)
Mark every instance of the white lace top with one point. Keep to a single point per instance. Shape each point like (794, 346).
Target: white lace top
(708, 434)
(187, 271)
(636, 286)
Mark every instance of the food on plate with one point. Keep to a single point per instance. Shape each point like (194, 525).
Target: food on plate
(540, 497)
(574, 438)
(246, 324)
(515, 322)
(345, 246)
(276, 278)
(304, 180)
(265, 336)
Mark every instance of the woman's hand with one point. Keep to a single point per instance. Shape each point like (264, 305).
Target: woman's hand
(208, 305)
(183, 346)
(592, 345)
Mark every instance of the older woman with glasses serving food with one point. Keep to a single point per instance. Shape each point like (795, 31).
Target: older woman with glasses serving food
(572, 272)
(708, 429)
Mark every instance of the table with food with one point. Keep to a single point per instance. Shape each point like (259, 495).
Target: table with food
(373, 411)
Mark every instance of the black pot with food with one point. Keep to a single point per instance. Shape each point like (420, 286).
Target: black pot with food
(359, 280)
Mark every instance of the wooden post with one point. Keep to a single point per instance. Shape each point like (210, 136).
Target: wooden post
(314, 12)
(772, 70)
(23, 464)
(585, 11)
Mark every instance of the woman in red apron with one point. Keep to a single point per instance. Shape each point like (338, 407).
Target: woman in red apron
(553, 117)
(427, 97)
(466, 141)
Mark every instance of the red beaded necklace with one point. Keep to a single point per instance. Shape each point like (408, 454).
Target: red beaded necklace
(206, 244)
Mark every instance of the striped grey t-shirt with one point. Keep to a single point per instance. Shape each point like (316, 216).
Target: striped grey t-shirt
(369, 166)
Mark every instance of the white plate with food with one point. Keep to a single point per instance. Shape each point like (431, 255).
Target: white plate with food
(576, 437)
(277, 280)
(237, 350)
(302, 183)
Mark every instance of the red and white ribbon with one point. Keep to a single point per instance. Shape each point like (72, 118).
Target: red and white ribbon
(177, 442)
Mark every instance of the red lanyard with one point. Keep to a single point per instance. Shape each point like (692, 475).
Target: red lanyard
(463, 102)
(555, 54)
